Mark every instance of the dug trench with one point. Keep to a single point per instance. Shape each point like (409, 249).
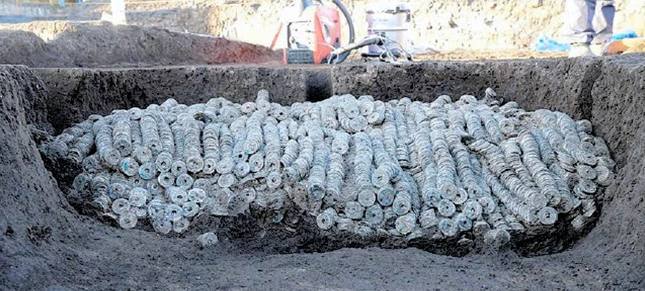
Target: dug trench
(48, 242)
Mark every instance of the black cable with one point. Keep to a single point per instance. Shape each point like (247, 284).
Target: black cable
(350, 23)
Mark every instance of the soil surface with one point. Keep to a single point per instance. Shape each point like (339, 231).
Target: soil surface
(101, 44)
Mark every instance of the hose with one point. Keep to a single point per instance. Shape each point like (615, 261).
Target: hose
(342, 52)
(350, 23)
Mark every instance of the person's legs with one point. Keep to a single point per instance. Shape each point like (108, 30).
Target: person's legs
(578, 21)
(603, 21)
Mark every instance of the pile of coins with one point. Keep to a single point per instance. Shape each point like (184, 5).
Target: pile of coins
(399, 168)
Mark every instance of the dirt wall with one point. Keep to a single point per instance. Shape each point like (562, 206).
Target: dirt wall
(76, 92)
(34, 211)
(531, 83)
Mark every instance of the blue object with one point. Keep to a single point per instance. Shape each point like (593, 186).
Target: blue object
(547, 44)
(307, 3)
(627, 33)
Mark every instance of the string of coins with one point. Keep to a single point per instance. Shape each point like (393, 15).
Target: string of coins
(401, 168)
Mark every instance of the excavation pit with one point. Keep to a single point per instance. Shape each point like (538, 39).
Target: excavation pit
(46, 240)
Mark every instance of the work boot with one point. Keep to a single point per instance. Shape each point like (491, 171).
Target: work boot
(580, 50)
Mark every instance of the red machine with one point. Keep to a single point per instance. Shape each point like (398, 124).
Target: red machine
(309, 41)
(313, 35)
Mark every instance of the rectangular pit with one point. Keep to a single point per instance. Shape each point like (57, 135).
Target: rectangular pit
(606, 91)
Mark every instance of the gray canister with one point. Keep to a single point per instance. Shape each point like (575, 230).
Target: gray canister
(389, 20)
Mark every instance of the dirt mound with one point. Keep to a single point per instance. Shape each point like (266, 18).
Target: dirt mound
(104, 45)
(33, 208)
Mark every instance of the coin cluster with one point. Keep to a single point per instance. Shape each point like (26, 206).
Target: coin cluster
(399, 168)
